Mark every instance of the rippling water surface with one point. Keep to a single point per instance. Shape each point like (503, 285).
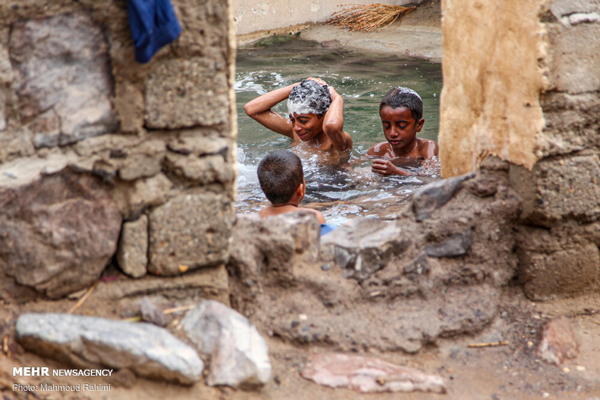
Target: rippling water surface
(351, 189)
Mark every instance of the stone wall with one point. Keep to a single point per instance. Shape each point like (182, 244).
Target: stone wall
(533, 99)
(101, 155)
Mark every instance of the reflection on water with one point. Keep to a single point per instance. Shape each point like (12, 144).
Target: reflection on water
(348, 190)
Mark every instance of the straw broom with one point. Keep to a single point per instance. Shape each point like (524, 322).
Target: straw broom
(368, 17)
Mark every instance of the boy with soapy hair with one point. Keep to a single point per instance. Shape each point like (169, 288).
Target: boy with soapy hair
(282, 180)
(401, 112)
(315, 114)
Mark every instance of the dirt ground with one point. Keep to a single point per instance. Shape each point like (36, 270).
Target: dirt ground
(511, 371)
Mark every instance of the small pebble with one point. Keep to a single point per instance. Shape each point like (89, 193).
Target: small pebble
(295, 323)
(546, 395)
(302, 317)
(326, 266)
(529, 344)
(566, 370)
(580, 368)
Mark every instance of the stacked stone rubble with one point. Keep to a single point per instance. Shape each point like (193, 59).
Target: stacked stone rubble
(559, 253)
(99, 152)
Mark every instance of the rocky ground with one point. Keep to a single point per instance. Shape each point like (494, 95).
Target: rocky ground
(420, 292)
(510, 371)
(485, 345)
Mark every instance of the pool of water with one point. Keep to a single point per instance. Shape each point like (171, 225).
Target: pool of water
(351, 189)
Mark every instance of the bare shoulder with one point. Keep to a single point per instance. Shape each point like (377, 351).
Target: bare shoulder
(317, 214)
(380, 149)
(427, 148)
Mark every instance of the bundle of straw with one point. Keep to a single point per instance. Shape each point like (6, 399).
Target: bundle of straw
(368, 17)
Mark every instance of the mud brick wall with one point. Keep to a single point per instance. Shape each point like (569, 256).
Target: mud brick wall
(102, 156)
(546, 69)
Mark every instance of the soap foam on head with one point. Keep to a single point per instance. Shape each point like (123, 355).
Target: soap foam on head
(405, 90)
(309, 97)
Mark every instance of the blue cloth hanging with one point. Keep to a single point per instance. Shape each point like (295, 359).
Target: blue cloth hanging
(153, 24)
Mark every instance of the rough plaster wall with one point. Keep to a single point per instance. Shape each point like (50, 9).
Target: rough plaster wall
(258, 15)
(492, 82)
(148, 141)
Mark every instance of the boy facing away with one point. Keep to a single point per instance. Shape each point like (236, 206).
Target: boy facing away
(282, 180)
(401, 112)
(315, 114)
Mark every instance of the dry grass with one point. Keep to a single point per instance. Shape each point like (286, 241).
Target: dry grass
(368, 17)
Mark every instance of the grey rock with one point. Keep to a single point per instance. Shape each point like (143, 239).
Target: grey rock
(239, 354)
(184, 93)
(132, 254)
(419, 266)
(559, 188)
(434, 195)
(58, 233)
(151, 313)
(458, 244)
(574, 57)
(88, 342)
(191, 230)
(143, 161)
(200, 170)
(133, 198)
(364, 246)
(571, 123)
(484, 185)
(199, 145)
(556, 265)
(64, 78)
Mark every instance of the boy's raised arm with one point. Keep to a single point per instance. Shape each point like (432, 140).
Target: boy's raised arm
(259, 109)
(333, 123)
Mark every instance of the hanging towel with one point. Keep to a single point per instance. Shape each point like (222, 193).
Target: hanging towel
(153, 24)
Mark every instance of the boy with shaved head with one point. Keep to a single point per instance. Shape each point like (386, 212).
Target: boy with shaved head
(401, 112)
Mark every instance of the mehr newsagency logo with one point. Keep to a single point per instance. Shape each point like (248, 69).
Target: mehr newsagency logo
(53, 387)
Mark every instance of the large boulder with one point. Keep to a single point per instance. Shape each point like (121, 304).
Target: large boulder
(57, 233)
(89, 342)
